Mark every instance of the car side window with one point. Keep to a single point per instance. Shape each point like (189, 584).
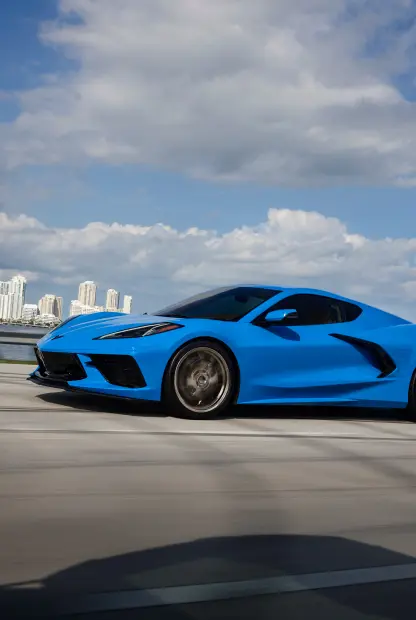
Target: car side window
(317, 310)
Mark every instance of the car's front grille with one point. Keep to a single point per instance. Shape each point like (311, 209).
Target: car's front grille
(65, 366)
(119, 370)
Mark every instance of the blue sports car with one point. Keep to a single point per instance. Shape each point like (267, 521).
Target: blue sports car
(250, 344)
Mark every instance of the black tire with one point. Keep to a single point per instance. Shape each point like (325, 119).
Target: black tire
(178, 398)
(411, 404)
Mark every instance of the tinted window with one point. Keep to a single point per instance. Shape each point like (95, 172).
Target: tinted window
(229, 304)
(351, 312)
(317, 310)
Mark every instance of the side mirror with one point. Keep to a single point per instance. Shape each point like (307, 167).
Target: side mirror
(275, 316)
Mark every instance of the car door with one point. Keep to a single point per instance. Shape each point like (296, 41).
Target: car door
(301, 359)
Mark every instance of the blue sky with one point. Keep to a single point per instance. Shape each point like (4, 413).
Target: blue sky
(135, 194)
(96, 133)
(24, 59)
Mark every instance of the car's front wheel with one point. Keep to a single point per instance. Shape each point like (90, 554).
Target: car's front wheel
(200, 381)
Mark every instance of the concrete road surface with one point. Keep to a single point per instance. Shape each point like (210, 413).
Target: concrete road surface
(124, 512)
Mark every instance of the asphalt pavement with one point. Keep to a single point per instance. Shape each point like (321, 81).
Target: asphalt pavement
(112, 509)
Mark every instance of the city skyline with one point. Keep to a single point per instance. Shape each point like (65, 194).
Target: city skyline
(50, 307)
(87, 298)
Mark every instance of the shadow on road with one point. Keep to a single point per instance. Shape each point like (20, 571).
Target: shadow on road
(97, 403)
(104, 404)
(223, 560)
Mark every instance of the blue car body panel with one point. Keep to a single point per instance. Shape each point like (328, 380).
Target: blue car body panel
(365, 362)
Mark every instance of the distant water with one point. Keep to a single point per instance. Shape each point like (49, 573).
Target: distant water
(20, 352)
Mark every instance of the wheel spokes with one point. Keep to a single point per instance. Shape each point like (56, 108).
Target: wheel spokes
(202, 379)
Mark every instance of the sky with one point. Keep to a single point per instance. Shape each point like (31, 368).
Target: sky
(162, 148)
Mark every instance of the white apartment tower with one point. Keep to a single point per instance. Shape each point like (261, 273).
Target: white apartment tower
(4, 288)
(59, 304)
(87, 293)
(75, 308)
(128, 300)
(17, 290)
(5, 307)
(5, 301)
(112, 300)
(47, 304)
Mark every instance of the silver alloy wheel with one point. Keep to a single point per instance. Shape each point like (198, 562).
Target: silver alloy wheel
(202, 380)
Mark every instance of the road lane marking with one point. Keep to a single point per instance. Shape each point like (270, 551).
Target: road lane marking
(196, 433)
(203, 593)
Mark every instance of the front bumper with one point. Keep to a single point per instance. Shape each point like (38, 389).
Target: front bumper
(37, 379)
(116, 375)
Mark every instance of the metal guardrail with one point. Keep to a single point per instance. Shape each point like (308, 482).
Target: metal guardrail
(22, 343)
(10, 337)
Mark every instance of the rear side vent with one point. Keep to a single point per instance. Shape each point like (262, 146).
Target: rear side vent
(119, 370)
(377, 355)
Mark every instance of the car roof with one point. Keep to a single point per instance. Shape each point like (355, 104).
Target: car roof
(316, 291)
(295, 289)
(272, 287)
(305, 290)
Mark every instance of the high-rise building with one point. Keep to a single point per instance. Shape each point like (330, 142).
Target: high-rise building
(4, 288)
(5, 307)
(87, 293)
(17, 290)
(128, 300)
(59, 305)
(47, 304)
(30, 311)
(112, 300)
(75, 308)
(51, 305)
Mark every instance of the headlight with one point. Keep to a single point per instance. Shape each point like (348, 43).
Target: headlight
(140, 332)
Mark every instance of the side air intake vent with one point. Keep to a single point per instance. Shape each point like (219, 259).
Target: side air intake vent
(376, 354)
(119, 370)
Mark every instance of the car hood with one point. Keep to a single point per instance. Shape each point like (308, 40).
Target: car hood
(106, 325)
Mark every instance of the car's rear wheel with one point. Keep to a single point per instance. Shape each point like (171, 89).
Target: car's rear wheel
(200, 380)
(411, 405)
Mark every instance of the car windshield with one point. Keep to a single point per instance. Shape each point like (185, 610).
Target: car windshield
(224, 304)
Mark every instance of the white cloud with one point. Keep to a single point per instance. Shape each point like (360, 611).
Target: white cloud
(159, 264)
(281, 91)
